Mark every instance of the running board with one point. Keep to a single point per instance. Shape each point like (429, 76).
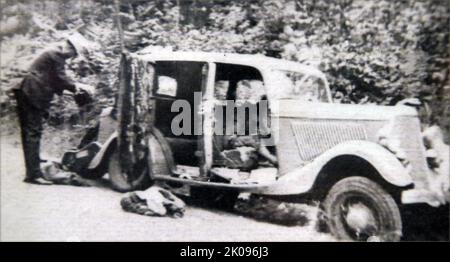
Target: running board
(191, 182)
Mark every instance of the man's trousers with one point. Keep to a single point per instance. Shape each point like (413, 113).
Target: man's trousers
(30, 119)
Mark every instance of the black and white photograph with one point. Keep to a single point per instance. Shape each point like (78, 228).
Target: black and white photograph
(224, 121)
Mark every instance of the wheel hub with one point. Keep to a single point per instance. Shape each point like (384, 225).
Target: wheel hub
(360, 219)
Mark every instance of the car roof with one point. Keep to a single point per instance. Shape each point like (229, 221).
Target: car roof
(258, 61)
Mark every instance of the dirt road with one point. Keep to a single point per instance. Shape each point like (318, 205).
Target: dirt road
(66, 213)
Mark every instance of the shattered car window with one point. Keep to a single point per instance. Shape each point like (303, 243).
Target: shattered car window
(221, 89)
(250, 90)
(294, 85)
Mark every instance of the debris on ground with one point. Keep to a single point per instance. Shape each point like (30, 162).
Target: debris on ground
(280, 212)
(154, 201)
(52, 172)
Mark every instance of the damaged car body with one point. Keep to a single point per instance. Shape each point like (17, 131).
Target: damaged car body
(361, 161)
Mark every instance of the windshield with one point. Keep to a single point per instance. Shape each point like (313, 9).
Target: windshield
(294, 85)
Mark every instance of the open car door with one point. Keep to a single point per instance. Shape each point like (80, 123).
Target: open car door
(128, 167)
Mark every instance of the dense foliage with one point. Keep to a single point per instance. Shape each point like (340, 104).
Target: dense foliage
(372, 51)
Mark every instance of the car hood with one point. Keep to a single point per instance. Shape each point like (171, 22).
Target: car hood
(301, 109)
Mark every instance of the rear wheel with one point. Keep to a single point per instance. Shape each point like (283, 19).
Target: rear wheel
(359, 209)
(123, 182)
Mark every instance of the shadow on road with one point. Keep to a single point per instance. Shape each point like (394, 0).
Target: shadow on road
(424, 223)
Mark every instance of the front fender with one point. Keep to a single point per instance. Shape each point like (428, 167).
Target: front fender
(302, 179)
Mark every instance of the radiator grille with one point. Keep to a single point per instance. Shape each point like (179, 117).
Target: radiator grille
(314, 138)
(407, 130)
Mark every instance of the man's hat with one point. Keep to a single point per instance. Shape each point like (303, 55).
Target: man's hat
(79, 43)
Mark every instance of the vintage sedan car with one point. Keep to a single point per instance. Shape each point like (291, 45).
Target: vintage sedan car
(361, 161)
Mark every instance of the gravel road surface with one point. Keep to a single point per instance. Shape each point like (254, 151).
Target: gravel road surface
(67, 213)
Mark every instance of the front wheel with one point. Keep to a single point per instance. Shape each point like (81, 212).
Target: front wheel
(123, 182)
(357, 208)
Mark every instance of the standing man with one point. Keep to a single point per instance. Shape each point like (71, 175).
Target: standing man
(45, 77)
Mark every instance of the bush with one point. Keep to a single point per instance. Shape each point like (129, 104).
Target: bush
(372, 51)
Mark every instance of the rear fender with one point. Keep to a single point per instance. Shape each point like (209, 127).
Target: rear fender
(102, 154)
(163, 149)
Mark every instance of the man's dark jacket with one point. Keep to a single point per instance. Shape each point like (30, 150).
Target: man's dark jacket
(46, 77)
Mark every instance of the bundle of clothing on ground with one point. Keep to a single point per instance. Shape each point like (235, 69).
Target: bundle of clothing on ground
(155, 201)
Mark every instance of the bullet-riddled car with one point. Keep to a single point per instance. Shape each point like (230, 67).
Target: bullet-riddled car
(361, 161)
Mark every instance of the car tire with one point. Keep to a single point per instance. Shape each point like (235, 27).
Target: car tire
(119, 180)
(358, 209)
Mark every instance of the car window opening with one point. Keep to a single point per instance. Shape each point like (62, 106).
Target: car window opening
(177, 80)
(238, 150)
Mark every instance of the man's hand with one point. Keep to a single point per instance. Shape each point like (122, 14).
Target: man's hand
(83, 95)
